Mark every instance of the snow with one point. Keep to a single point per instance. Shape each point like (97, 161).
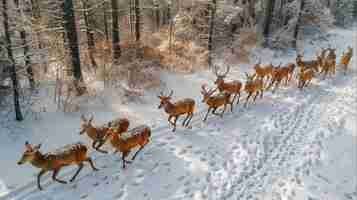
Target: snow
(291, 145)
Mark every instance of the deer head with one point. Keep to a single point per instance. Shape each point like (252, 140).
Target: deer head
(85, 124)
(206, 93)
(164, 99)
(257, 65)
(220, 77)
(29, 153)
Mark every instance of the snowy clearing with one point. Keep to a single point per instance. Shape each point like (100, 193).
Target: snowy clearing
(289, 145)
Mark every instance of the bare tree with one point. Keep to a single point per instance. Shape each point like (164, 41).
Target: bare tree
(115, 31)
(268, 18)
(26, 51)
(10, 55)
(90, 33)
(72, 39)
(212, 8)
(298, 21)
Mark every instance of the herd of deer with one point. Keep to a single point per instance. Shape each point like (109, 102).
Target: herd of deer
(124, 140)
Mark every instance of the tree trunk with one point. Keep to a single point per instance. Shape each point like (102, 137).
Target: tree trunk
(18, 113)
(105, 19)
(157, 15)
(137, 20)
(36, 13)
(170, 26)
(115, 32)
(72, 39)
(26, 47)
(90, 35)
(212, 9)
(131, 18)
(297, 27)
(268, 18)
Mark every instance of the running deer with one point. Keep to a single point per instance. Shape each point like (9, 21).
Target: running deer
(124, 142)
(253, 86)
(346, 58)
(181, 107)
(312, 64)
(263, 72)
(279, 75)
(231, 87)
(215, 101)
(305, 77)
(73, 154)
(329, 63)
(97, 133)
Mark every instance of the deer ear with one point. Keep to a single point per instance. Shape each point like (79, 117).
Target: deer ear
(28, 146)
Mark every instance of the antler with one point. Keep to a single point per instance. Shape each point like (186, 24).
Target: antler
(171, 93)
(83, 118)
(203, 87)
(227, 71)
(91, 118)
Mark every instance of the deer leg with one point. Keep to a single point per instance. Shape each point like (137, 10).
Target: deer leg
(136, 153)
(54, 176)
(189, 120)
(238, 98)
(184, 121)
(91, 163)
(94, 144)
(100, 144)
(209, 110)
(214, 111)
(169, 120)
(255, 97)
(173, 130)
(224, 110)
(124, 155)
(80, 167)
(261, 93)
(246, 101)
(42, 172)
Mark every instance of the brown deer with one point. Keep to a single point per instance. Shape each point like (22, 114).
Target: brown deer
(73, 154)
(305, 77)
(263, 72)
(253, 86)
(97, 133)
(312, 64)
(278, 76)
(231, 87)
(184, 106)
(329, 63)
(124, 142)
(215, 101)
(346, 58)
(290, 68)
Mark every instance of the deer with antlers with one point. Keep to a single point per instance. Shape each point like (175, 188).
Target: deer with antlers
(124, 142)
(346, 58)
(73, 154)
(280, 74)
(97, 133)
(253, 86)
(231, 87)
(215, 101)
(181, 107)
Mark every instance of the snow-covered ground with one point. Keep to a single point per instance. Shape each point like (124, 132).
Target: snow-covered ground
(291, 145)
